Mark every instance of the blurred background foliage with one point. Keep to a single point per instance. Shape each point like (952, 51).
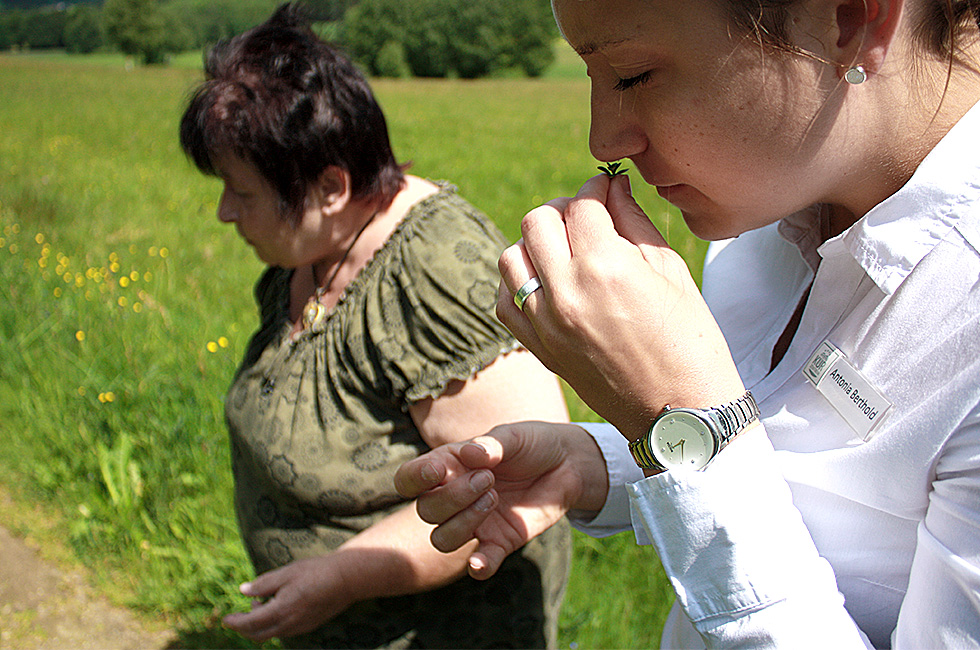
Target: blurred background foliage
(390, 38)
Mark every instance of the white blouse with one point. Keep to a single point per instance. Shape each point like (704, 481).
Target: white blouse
(811, 531)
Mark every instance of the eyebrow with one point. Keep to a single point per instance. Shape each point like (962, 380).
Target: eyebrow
(592, 47)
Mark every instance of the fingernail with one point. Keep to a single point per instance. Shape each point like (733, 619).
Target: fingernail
(484, 503)
(429, 474)
(245, 588)
(481, 481)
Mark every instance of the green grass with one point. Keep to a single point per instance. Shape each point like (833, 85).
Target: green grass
(127, 306)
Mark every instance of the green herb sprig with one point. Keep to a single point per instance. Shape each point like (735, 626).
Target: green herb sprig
(612, 169)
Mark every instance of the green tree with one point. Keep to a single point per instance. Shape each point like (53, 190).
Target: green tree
(138, 28)
(83, 31)
(453, 37)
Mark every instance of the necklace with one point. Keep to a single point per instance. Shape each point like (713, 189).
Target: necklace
(314, 312)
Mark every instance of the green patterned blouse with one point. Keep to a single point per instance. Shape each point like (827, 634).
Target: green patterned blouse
(319, 424)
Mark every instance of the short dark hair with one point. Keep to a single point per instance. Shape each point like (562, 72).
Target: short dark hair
(282, 99)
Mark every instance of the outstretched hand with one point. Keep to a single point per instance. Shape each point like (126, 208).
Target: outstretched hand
(294, 599)
(504, 488)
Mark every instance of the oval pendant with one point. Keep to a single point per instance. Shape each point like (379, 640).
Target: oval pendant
(313, 313)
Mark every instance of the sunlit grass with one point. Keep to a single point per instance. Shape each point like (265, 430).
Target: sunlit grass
(126, 307)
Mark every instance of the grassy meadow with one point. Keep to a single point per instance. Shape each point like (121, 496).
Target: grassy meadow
(125, 307)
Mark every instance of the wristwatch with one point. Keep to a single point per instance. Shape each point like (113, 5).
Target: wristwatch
(686, 438)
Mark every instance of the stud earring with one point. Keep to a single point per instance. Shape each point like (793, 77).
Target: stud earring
(855, 75)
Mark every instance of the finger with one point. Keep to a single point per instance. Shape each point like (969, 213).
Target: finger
(485, 562)
(587, 218)
(419, 475)
(258, 625)
(265, 585)
(545, 241)
(515, 266)
(444, 503)
(461, 528)
(628, 217)
(516, 320)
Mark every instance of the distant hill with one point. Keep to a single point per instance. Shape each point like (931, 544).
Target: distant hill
(7, 5)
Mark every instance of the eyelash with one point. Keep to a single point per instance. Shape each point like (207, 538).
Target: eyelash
(626, 84)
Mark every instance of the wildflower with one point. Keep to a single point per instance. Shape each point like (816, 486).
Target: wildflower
(122, 302)
(124, 281)
(80, 335)
(223, 342)
(212, 346)
(164, 252)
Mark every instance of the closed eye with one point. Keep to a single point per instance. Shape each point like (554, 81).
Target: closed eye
(630, 82)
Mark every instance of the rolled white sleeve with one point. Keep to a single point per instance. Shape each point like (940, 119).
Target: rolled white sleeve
(741, 560)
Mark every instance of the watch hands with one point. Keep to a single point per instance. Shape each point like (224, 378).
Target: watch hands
(680, 443)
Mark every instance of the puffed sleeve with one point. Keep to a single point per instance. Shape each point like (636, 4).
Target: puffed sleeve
(431, 315)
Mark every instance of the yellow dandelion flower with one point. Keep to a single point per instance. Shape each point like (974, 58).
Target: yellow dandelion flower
(122, 301)
(223, 342)
(164, 252)
(147, 276)
(14, 248)
(134, 276)
(212, 346)
(43, 262)
(137, 307)
(113, 257)
(57, 292)
(68, 277)
(89, 295)
(81, 391)
(3, 242)
(39, 238)
(124, 281)
(79, 280)
(114, 267)
(152, 251)
(110, 396)
(102, 397)
(80, 336)
(15, 228)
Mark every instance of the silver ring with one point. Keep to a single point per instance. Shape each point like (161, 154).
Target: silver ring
(526, 290)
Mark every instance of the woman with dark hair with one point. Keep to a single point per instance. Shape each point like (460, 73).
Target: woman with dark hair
(377, 342)
(800, 440)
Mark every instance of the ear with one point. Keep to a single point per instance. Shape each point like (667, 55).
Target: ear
(866, 29)
(332, 191)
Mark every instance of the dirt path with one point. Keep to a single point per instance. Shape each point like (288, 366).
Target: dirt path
(47, 607)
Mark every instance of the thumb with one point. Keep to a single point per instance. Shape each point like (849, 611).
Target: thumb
(628, 217)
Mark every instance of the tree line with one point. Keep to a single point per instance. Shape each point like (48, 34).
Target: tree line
(392, 38)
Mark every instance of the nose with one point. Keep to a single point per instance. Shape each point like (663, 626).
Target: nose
(227, 212)
(616, 131)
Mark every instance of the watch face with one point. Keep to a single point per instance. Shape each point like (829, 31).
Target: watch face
(681, 440)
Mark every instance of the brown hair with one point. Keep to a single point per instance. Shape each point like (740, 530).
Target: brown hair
(937, 26)
(282, 99)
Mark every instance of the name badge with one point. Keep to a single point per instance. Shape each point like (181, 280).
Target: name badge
(853, 396)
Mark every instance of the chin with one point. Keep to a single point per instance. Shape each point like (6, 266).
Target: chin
(710, 228)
